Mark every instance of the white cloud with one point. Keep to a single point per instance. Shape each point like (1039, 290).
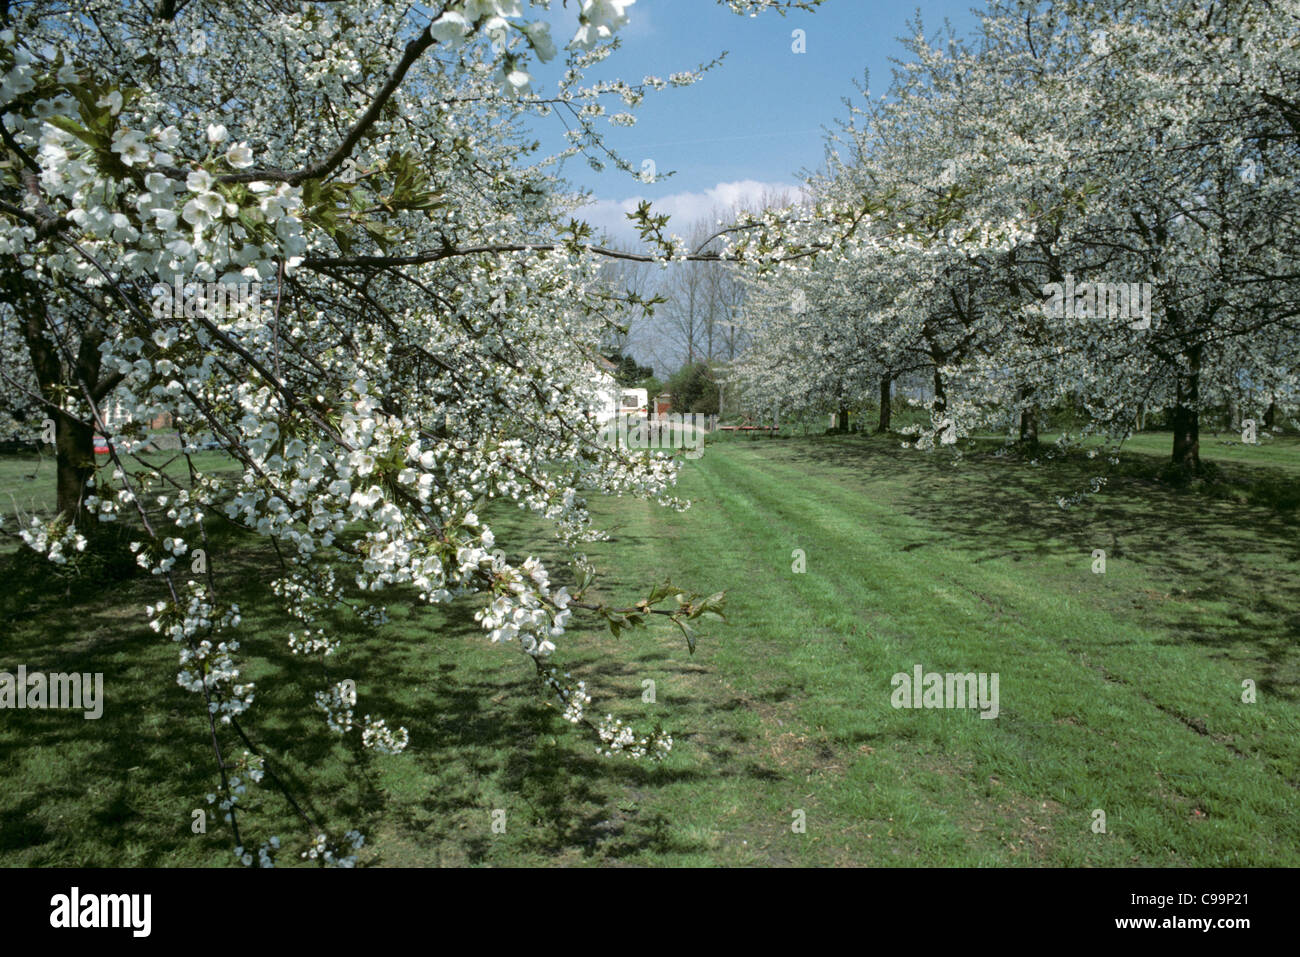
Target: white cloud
(684, 209)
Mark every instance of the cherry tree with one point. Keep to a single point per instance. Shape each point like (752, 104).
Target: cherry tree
(915, 288)
(315, 234)
(1136, 178)
(1066, 151)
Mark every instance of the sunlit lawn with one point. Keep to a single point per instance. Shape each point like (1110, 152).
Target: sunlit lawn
(1119, 692)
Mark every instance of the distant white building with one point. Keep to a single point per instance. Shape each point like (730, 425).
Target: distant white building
(634, 402)
(616, 400)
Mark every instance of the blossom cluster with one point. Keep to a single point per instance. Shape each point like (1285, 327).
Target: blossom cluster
(328, 853)
(617, 737)
(53, 539)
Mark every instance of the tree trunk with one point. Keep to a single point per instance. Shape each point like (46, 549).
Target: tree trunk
(74, 446)
(940, 403)
(1270, 414)
(1029, 428)
(886, 402)
(1186, 414)
(1028, 422)
(842, 422)
(74, 439)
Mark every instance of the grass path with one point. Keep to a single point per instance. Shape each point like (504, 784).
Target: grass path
(1098, 711)
(1119, 692)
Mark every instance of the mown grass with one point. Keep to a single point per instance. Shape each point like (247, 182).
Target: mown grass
(1119, 691)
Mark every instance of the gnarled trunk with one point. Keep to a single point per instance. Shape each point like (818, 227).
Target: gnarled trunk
(886, 402)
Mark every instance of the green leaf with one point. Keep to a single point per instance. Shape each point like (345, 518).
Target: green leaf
(689, 632)
(660, 592)
(75, 129)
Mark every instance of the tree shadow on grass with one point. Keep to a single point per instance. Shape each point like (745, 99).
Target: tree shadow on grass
(1211, 542)
(122, 790)
(486, 736)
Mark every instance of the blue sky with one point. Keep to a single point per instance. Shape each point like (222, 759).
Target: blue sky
(755, 120)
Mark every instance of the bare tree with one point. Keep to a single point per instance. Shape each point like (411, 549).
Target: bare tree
(629, 281)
